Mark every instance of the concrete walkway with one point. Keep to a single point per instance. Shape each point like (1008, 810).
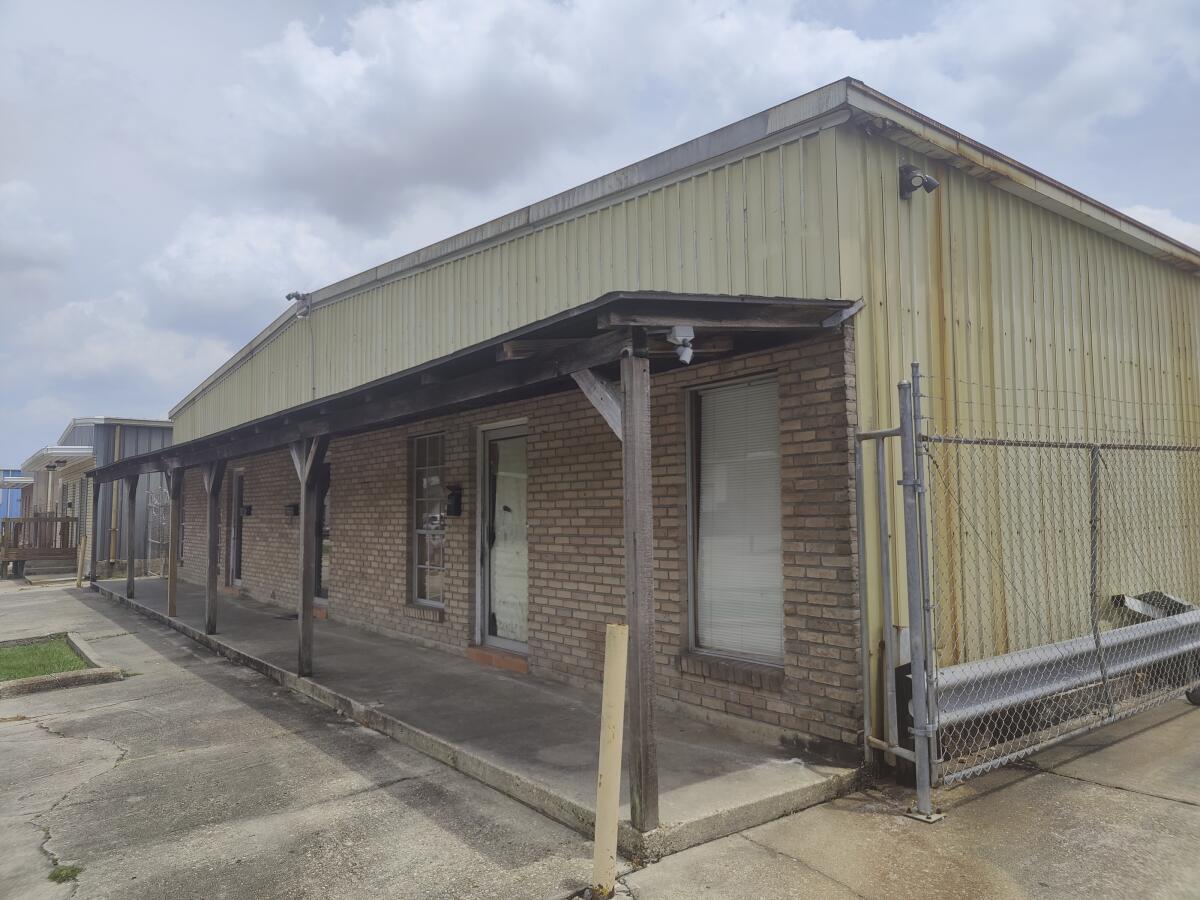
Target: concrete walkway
(1115, 813)
(533, 740)
(197, 778)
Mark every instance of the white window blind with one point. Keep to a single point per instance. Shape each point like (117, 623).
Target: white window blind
(739, 565)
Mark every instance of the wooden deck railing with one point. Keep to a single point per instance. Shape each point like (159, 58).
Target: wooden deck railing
(38, 537)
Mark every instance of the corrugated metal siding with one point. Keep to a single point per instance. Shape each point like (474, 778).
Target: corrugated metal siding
(766, 224)
(110, 446)
(1026, 325)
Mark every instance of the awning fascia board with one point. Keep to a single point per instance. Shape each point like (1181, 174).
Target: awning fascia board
(421, 391)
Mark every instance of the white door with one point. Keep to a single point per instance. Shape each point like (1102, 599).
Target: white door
(505, 556)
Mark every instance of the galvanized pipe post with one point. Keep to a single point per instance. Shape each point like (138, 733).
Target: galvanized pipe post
(922, 730)
(926, 578)
(891, 725)
(1094, 567)
(864, 631)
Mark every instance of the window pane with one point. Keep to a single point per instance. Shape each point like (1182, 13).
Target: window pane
(428, 518)
(739, 570)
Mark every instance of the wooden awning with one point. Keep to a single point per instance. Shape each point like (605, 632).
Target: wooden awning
(535, 359)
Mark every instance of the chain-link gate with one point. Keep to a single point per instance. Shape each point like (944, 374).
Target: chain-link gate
(1054, 586)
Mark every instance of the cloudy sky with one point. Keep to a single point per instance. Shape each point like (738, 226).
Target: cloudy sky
(169, 170)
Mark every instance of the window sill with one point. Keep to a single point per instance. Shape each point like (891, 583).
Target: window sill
(736, 671)
(425, 613)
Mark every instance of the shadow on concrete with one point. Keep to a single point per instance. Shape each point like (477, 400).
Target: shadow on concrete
(532, 740)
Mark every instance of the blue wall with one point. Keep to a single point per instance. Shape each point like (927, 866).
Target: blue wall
(10, 498)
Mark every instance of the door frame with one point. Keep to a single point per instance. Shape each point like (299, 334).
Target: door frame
(485, 434)
(236, 539)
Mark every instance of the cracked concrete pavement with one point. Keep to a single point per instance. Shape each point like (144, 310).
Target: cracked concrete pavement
(197, 778)
(194, 777)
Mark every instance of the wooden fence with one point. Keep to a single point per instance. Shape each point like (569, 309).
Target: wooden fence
(38, 537)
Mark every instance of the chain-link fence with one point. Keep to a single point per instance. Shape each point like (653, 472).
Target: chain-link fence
(1054, 584)
(158, 519)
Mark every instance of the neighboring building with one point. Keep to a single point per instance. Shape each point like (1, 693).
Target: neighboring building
(61, 486)
(12, 482)
(472, 496)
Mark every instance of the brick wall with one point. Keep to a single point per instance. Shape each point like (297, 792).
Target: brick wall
(271, 548)
(576, 573)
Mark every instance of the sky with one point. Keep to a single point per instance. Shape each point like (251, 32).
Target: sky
(170, 170)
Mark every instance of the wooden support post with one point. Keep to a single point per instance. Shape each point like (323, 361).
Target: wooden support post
(639, 590)
(608, 770)
(131, 486)
(214, 473)
(93, 574)
(175, 490)
(307, 456)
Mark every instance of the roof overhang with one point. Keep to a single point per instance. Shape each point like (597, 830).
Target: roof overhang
(55, 457)
(15, 481)
(832, 105)
(880, 114)
(536, 359)
(110, 420)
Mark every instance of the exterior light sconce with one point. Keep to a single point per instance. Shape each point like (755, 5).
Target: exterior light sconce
(303, 303)
(681, 336)
(291, 510)
(913, 179)
(454, 499)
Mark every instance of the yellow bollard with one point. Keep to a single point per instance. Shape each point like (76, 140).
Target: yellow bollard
(608, 773)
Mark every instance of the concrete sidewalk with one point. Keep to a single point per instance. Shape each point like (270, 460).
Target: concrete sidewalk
(533, 740)
(1112, 814)
(196, 778)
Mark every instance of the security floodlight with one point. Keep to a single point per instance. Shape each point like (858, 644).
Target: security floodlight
(302, 302)
(682, 336)
(913, 179)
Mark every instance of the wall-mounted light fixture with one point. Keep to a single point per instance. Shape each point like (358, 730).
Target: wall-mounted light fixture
(913, 179)
(291, 510)
(303, 303)
(682, 336)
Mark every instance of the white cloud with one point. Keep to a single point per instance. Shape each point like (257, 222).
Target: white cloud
(176, 175)
(27, 240)
(1168, 223)
(499, 96)
(121, 346)
(223, 270)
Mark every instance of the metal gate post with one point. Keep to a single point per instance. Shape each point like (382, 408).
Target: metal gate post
(917, 631)
(919, 451)
(1094, 568)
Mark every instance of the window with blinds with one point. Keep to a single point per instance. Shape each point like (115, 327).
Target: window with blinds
(738, 569)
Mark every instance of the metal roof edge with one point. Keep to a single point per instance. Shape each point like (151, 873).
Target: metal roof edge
(114, 420)
(54, 451)
(1025, 181)
(846, 94)
(740, 135)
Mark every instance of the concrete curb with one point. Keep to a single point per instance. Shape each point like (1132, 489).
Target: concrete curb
(95, 673)
(665, 840)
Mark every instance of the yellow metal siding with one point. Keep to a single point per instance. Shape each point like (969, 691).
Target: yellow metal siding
(1026, 325)
(766, 224)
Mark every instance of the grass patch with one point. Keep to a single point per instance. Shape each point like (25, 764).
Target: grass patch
(41, 658)
(62, 874)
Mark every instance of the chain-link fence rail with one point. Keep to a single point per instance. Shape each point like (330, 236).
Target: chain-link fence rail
(1062, 580)
(1047, 573)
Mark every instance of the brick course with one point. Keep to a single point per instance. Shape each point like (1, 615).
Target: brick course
(575, 533)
